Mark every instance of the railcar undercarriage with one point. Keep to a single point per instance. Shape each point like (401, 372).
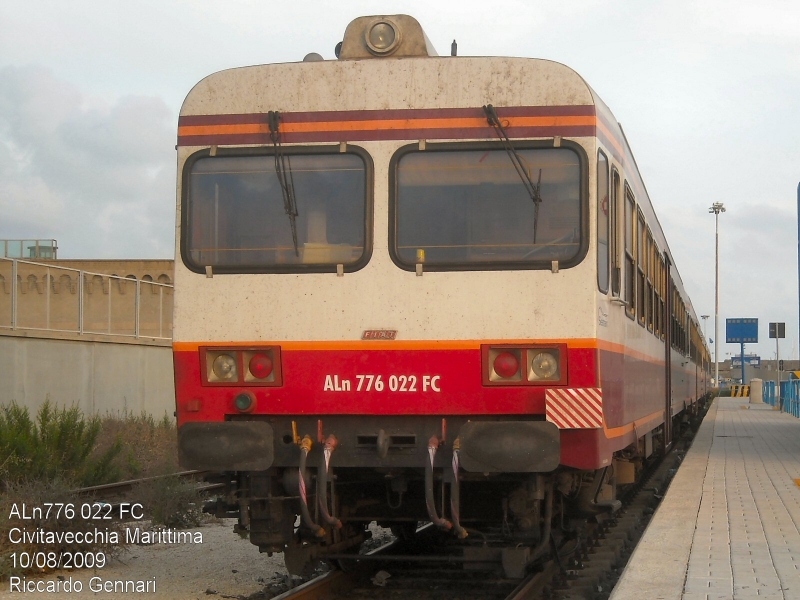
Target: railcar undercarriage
(487, 519)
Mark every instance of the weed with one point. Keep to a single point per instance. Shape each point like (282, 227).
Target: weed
(170, 501)
(149, 446)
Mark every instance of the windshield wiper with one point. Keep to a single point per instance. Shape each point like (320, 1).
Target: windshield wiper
(284, 173)
(533, 189)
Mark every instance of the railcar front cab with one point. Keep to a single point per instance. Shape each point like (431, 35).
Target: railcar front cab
(235, 219)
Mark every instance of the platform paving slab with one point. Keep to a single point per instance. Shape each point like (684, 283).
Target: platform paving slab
(728, 526)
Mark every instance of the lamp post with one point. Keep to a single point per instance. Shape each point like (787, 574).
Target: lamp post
(716, 208)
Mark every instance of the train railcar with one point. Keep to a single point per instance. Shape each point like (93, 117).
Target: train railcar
(414, 288)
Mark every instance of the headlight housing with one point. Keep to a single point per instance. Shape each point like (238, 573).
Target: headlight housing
(250, 366)
(524, 364)
(382, 36)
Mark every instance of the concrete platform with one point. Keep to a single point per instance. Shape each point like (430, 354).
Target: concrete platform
(728, 526)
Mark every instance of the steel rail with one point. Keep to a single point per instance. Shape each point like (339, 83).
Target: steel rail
(121, 487)
(318, 587)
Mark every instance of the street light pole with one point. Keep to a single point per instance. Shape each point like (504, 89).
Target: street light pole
(716, 208)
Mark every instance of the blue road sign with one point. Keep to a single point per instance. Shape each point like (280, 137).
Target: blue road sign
(741, 331)
(751, 360)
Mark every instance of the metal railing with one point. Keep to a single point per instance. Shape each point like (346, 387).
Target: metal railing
(42, 297)
(789, 399)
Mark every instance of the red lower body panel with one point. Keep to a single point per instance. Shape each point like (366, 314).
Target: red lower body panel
(433, 382)
(372, 382)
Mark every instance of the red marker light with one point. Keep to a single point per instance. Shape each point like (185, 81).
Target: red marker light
(260, 366)
(506, 365)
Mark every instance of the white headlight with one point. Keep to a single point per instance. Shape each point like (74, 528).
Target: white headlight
(224, 367)
(544, 366)
(382, 37)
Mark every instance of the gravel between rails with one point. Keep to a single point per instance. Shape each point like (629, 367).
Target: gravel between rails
(223, 566)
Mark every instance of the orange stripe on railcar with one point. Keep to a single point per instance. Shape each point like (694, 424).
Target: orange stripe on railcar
(431, 123)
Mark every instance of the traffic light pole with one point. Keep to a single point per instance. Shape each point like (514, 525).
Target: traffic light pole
(777, 331)
(778, 364)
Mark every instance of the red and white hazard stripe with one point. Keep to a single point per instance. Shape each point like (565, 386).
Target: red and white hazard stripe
(574, 408)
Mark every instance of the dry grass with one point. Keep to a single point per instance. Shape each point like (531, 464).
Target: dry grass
(148, 447)
(170, 502)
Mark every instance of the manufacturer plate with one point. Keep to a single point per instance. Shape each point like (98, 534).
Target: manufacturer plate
(379, 334)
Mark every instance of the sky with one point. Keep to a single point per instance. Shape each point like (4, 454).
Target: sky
(90, 92)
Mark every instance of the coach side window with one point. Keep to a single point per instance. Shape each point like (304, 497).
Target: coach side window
(641, 255)
(662, 282)
(602, 222)
(614, 209)
(650, 277)
(630, 264)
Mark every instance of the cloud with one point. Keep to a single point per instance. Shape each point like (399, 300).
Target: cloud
(777, 20)
(97, 176)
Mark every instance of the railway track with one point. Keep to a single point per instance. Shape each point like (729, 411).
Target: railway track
(582, 569)
(112, 490)
(429, 583)
(115, 493)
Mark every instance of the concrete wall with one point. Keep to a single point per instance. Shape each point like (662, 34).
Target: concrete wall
(98, 376)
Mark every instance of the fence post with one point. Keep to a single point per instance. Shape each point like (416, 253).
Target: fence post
(80, 302)
(160, 311)
(14, 293)
(794, 392)
(47, 295)
(138, 306)
(109, 305)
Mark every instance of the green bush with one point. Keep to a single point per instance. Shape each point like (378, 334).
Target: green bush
(57, 445)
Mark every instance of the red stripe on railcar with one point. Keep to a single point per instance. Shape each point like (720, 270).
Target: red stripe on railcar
(423, 382)
(582, 110)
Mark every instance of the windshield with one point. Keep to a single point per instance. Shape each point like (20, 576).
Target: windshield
(469, 209)
(236, 219)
